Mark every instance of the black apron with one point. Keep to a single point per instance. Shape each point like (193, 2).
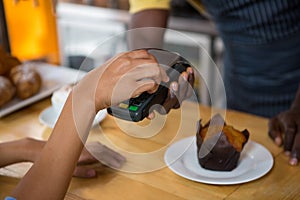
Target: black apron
(262, 52)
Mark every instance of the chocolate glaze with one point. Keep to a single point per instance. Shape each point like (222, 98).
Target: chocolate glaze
(223, 156)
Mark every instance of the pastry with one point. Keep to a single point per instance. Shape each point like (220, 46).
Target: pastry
(7, 62)
(221, 150)
(7, 90)
(26, 79)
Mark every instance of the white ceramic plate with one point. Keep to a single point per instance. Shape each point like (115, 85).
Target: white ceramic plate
(53, 78)
(49, 117)
(255, 162)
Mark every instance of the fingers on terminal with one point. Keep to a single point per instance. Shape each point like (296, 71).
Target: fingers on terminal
(191, 76)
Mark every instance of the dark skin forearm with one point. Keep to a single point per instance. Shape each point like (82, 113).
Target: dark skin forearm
(147, 37)
(149, 18)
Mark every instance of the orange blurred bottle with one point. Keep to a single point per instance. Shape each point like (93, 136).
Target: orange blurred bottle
(32, 29)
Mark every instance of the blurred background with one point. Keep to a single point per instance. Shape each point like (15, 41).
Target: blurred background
(72, 31)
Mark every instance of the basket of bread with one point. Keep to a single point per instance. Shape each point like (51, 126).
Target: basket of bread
(17, 80)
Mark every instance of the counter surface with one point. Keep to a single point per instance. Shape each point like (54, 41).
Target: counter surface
(282, 182)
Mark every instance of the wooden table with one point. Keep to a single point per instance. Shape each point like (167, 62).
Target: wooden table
(282, 182)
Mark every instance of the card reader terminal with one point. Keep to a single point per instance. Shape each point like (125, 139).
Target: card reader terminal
(136, 109)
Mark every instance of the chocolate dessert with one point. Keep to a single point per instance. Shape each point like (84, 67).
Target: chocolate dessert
(221, 150)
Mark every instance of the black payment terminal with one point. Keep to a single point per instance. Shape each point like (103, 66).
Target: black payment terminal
(136, 109)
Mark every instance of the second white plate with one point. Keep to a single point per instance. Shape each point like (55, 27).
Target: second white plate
(49, 117)
(255, 162)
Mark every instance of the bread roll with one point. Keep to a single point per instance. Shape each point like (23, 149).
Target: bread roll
(7, 90)
(7, 62)
(26, 79)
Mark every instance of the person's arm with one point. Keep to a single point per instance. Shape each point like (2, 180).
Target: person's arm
(147, 28)
(50, 175)
(284, 129)
(126, 75)
(29, 149)
(23, 150)
(145, 16)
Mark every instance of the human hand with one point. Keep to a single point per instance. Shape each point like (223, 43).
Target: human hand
(122, 77)
(88, 164)
(178, 92)
(284, 129)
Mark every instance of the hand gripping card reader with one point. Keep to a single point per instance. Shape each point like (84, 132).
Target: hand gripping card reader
(136, 109)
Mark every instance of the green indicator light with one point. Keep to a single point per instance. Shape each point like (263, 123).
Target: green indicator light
(133, 108)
